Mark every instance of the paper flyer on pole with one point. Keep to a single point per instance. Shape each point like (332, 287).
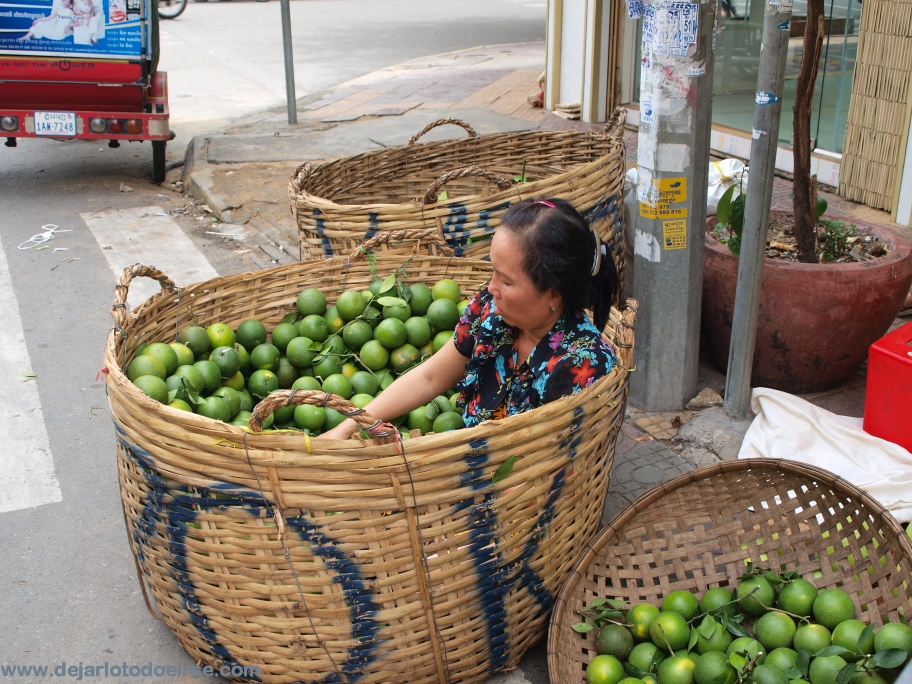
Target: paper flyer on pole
(105, 29)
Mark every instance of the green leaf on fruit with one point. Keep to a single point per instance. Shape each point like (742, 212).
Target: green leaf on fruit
(634, 671)
(803, 663)
(582, 627)
(833, 651)
(194, 397)
(864, 636)
(721, 678)
(391, 301)
(171, 395)
(707, 627)
(845, 674)
(694, 637)
(736, 629)
(504, 471)
(793, 673)
(388, 284)
(889, 658)
(737, 661)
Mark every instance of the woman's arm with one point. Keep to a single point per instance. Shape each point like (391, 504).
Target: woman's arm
(416, 388)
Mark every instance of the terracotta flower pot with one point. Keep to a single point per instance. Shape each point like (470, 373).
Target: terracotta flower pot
(816, 320)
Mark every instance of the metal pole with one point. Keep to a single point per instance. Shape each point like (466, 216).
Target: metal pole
(289, 63)
(770, 84)
(673, 164)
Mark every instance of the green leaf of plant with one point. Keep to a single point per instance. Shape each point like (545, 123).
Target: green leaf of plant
(597, 602)
(504, 471)
(388, 284)
(803, 663)
(734, 244)
(864, 636)
(171, 395)
(582, 627)
(845, 674)
(443, 404)
(431, 411)
(634, 671)
(736, 629)
(194, 397)
(442, 197)
(405, 292)
(391, 301)
(822, 205)
(793, 673)
(707, 627)
(723, 212)
(721, 678)
(657, 658)
(620, 605)
(833, 651)
(737, 661)
(737, 215)
(611, 613)
(889, 657)
(694, 637)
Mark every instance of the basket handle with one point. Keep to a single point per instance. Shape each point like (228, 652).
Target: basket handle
(299, 176)
(122, 289)
(407, 234)
(616, 122)
(434, 188)
(281, 398)
(442, 122)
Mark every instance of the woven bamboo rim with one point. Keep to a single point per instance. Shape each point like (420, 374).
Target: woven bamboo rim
(341, 203)
(343, 560)
(697, 531)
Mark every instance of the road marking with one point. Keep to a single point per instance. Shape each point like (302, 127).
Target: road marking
(27, 477)
(146, 236)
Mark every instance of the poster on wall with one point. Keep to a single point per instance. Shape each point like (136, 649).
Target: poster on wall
(73, 28)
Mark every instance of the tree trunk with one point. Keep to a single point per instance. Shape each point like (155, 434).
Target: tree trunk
(803, 197)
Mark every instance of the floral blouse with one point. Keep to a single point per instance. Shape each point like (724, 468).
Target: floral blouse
(498, 384)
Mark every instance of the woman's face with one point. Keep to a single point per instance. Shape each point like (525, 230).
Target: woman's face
(516, 298)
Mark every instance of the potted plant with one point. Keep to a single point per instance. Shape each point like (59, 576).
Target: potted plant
(830, 287)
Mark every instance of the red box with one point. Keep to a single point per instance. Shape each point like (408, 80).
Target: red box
(888, 401)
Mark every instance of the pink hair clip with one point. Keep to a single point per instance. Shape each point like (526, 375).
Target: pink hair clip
(544, 203)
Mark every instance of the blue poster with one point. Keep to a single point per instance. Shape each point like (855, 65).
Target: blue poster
(74, 28)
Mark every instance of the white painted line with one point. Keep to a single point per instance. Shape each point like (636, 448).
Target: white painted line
(27, 476)
(130, 236)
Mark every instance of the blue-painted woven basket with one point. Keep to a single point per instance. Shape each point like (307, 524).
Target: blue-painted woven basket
(341, 203)
(346, 561)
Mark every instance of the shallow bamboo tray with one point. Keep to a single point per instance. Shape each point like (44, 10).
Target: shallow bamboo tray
(698, 530)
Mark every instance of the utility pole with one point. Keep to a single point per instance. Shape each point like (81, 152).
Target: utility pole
(767, 112)
(289, 63)
(673, 163)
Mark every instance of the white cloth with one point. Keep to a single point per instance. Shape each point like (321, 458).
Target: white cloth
(57, 28)
(791, 428)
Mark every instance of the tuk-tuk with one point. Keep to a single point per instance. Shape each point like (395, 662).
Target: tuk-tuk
(83, 69)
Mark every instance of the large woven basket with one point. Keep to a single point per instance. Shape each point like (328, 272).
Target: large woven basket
(698, 531)
(341, 203)
(332, 561)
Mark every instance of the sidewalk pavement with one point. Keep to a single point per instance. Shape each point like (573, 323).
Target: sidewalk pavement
(242, 175)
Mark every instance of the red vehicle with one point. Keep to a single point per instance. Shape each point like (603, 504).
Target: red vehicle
(84, 69)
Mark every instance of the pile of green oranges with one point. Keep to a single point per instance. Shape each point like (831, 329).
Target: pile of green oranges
(353, 349)
(773, 629)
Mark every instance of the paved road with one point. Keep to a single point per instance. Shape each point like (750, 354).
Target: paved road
(224, 59)
(68, 591)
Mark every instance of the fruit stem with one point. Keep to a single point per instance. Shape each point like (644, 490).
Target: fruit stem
(800, 618)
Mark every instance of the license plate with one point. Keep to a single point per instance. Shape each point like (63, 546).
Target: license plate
(55, 123)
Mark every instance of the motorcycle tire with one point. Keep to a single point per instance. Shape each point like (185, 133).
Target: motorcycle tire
(171, 9)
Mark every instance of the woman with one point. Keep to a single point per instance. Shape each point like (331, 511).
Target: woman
(525, 339)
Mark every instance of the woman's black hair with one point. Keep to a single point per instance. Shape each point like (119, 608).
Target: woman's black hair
(559, 251)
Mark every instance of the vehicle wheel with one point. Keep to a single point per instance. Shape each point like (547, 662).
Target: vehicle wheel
(171, 9)
(158, 161)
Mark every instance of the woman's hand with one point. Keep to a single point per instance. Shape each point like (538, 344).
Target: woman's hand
(343, 430)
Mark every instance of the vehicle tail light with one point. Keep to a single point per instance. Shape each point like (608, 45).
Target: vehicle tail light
(134, 126)
(98, 125)
(9, 123)
(115, 126)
